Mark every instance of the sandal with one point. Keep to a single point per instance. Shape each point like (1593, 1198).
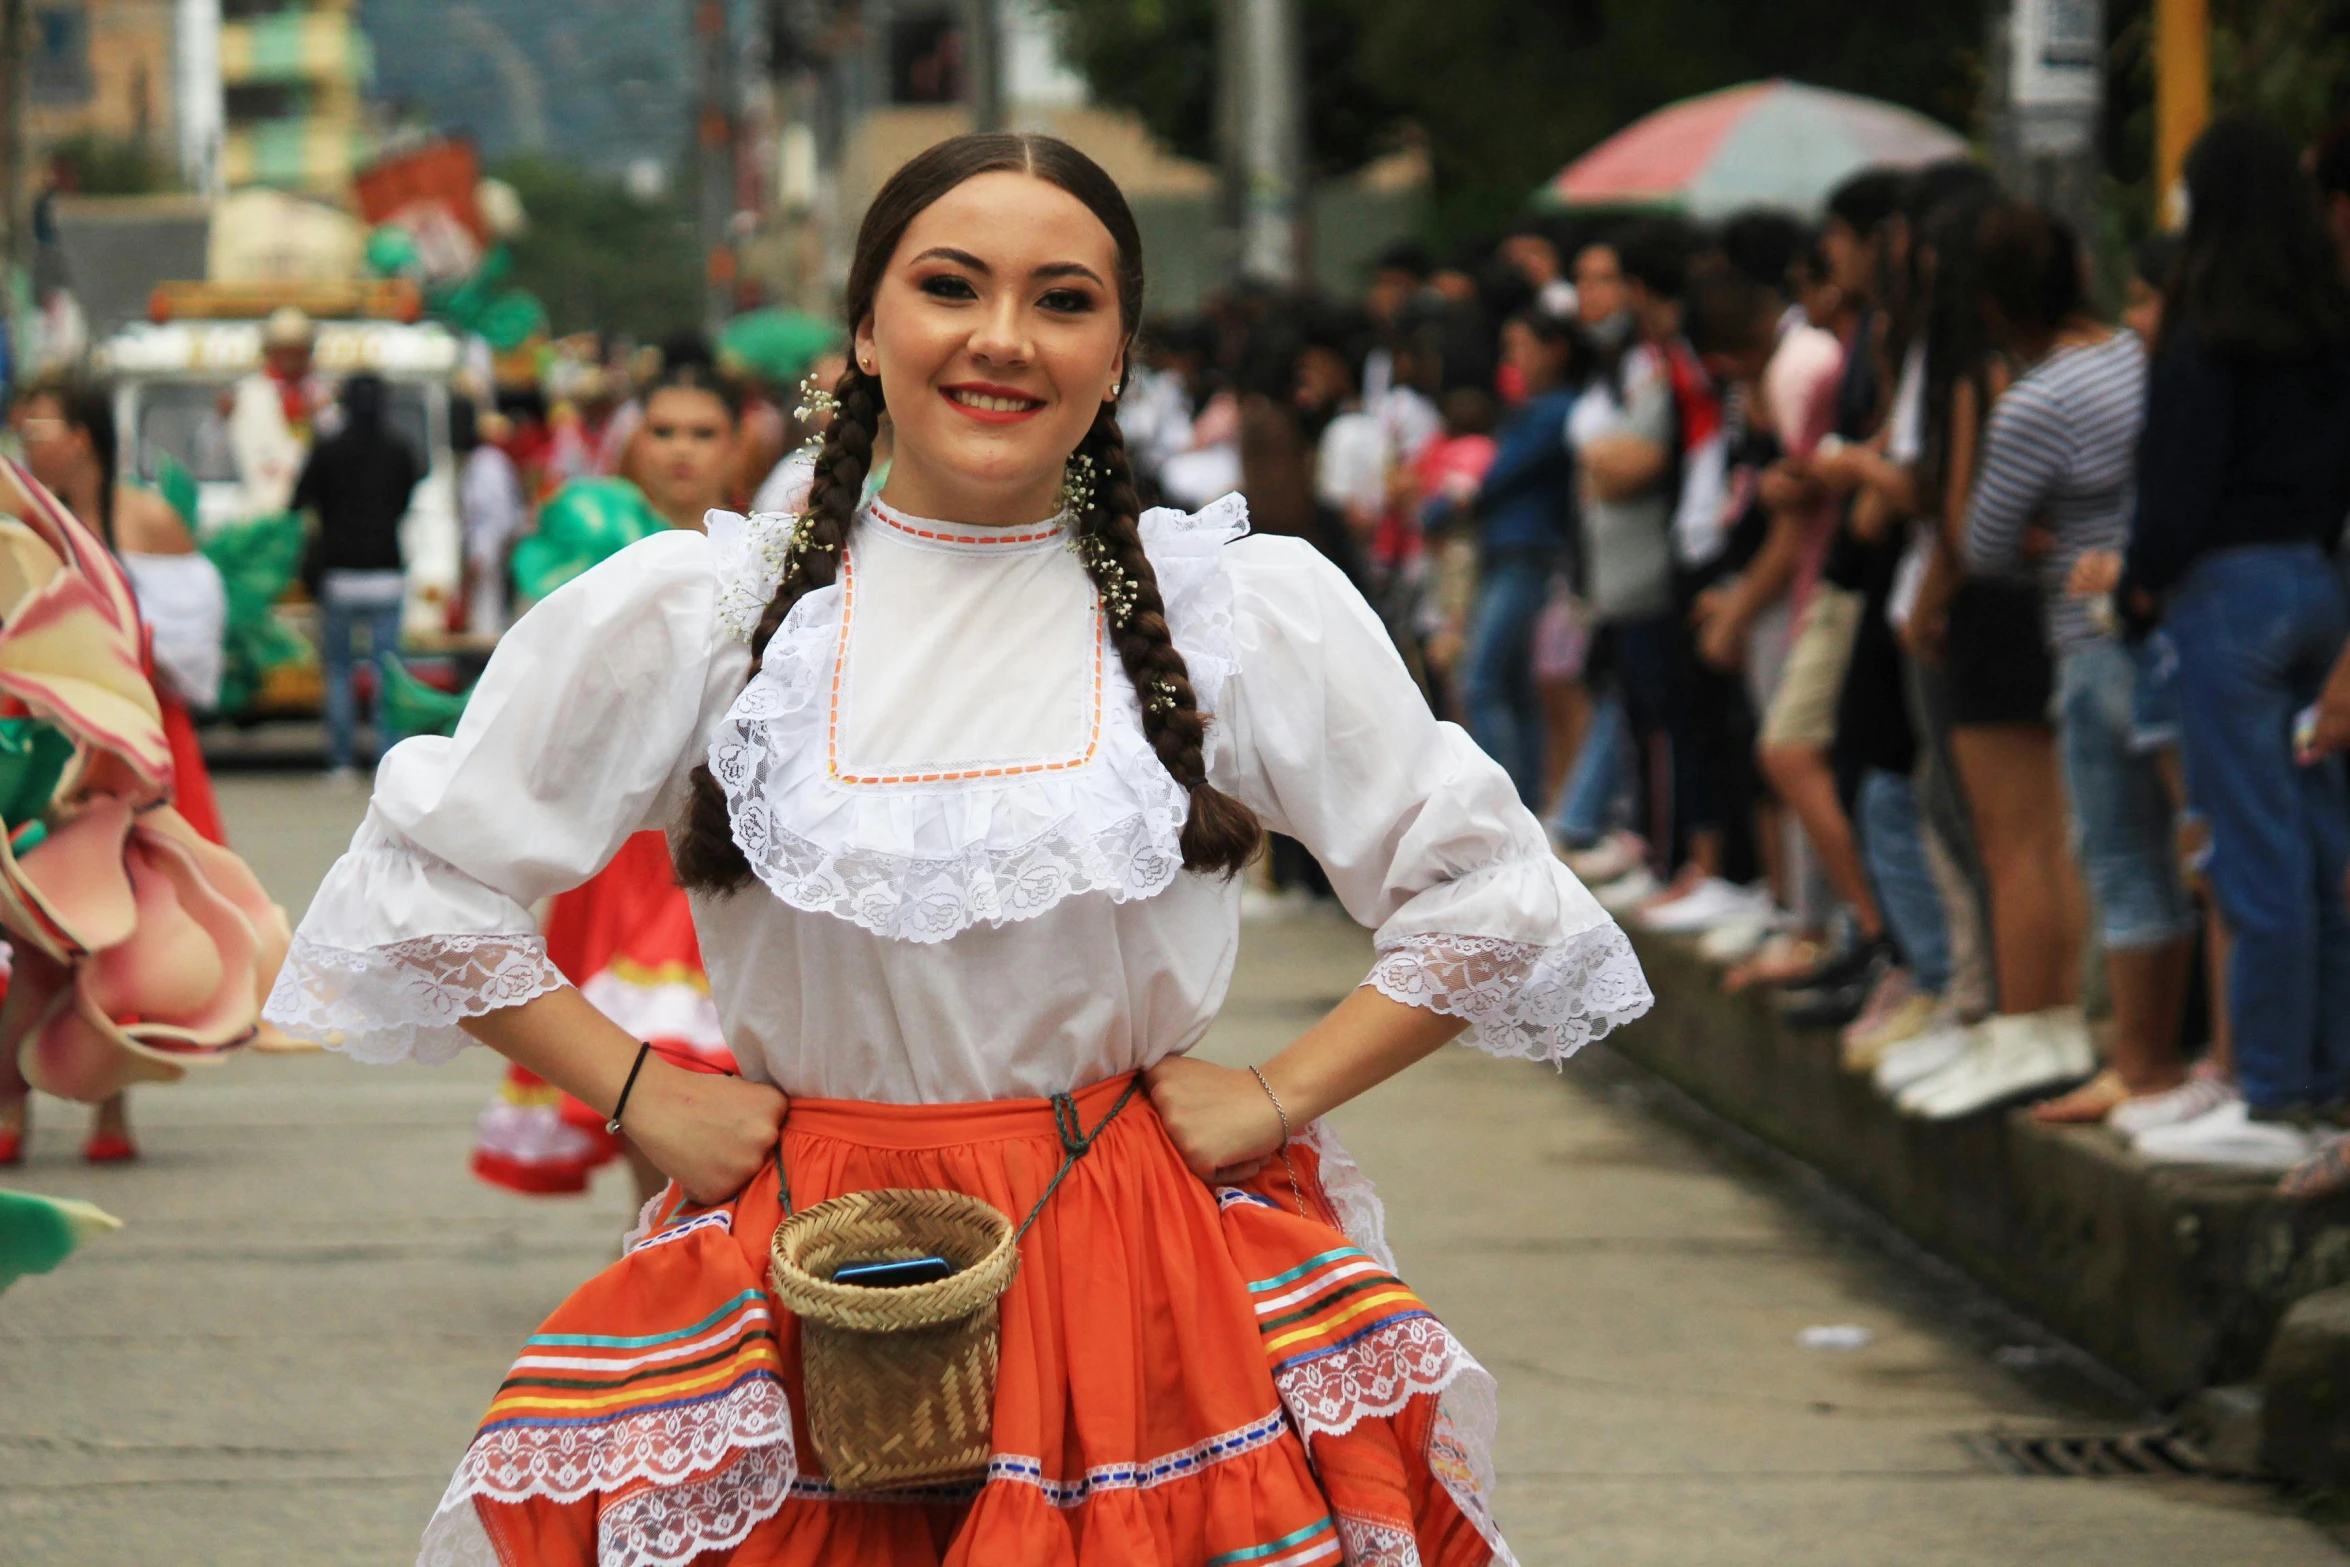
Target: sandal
(2322, 1174)
(109, 1148)
(1781, 959)
(2087, 1105)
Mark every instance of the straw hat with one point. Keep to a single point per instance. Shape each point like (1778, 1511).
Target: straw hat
(287, 327)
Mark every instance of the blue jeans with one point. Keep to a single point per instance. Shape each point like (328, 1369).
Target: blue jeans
(2121, 812)
(340, 621)
(2257, 628)
(1505, 711)
(2154, 722)
(1893, 841)
(1600, 778)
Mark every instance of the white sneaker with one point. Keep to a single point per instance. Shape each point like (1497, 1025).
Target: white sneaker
(1741, 936)
(1628, 891)
(2197, 1096)
(2228, 1135)
(1704, 906)
(1922, 1056)
(1613, 856)
(2013, 1056)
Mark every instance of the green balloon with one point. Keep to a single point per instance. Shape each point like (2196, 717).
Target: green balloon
(585, 522)
(391, 251)
(776, 344)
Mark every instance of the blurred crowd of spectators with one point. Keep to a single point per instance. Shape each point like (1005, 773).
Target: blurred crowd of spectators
(1954, 659)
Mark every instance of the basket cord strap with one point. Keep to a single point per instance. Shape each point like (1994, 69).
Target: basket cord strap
(1076, 1143)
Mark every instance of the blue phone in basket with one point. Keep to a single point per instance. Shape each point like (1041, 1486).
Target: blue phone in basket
(895, 1275)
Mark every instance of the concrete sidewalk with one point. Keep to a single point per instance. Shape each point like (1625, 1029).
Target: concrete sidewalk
(280, 1358)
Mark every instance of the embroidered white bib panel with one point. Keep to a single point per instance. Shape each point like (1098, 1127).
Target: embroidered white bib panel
(934, 688)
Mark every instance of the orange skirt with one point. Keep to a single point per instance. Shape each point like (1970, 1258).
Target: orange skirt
(626, 939)
(1189, 1377)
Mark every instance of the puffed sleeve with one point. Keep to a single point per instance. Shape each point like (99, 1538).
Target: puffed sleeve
(1423, 836)
(583, 730)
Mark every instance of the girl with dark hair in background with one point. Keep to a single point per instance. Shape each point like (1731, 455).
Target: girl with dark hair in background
(1525, 515)
(2243, 484)
(625, 937)
(1986, 629)
(959, 803)
(2057, 462)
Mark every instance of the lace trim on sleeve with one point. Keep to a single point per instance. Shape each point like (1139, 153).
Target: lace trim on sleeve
(1539, 1003)
(403, 1002)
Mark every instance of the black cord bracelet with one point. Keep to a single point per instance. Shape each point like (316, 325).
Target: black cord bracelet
(628, 1087)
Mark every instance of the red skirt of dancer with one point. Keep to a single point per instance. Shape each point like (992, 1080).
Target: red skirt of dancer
(1189, 1377)
(191, 780)
(626, 939)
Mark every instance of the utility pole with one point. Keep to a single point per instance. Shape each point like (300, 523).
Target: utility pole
(2049, 75)
(983, 64)
(2182, 96)
(714, 186)
(197, 96)
(1272, 139)
(1231, 117)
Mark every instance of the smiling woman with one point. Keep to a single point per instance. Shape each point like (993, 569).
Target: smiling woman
(1015, 353)
(963, 800)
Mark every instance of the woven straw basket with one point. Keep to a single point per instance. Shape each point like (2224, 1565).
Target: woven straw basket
(899, 1383)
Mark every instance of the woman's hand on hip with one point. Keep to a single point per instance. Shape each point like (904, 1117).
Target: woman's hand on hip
(708, 1133)
(1221, 1121)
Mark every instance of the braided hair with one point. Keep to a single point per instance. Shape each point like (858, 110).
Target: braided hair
(1219, 833)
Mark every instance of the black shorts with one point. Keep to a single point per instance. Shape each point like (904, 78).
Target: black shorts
(1996, 649)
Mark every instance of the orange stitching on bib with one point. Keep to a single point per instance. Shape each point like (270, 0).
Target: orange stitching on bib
(883, 515)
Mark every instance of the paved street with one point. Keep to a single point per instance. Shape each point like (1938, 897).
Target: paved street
(281, 1356)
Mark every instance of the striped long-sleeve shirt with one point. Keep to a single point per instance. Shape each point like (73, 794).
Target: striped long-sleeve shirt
(2061, 451)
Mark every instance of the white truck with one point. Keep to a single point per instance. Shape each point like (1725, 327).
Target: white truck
(172, 383)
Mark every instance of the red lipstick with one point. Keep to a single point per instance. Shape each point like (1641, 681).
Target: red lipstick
(1030, 407)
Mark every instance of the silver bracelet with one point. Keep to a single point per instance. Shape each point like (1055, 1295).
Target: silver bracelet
(1295, 1190)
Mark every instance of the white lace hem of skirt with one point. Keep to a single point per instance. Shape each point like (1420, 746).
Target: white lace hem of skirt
(666, 1526)
(404, 1001)
(1522, 1000)
(714, 1471)
(1468, 1405)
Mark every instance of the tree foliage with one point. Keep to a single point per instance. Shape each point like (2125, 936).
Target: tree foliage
(1159, 58)
(1507, 91)
(598, 257)
(95, 165)
(2288, 59)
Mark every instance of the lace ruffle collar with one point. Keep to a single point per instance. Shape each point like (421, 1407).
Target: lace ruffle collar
(925, 861)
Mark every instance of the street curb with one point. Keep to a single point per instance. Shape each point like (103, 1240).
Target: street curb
(2178, 1278)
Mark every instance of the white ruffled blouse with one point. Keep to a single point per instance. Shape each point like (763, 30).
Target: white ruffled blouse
(969, 878)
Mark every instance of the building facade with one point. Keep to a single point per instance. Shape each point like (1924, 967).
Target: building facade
(292, 82)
